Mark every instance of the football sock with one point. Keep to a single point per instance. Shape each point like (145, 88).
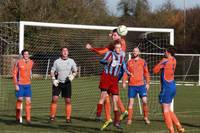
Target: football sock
(99, 110)
(68, 110)
(28, 110)
(53, 109)
(168, 121)
(116, 116)
(130, 114)
(175, 119)
(18, 109)
(145, 110)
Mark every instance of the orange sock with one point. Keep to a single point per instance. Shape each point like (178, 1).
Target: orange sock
(121, 105)
(168, 121)
(175, 119)
(130, 114)
(53, 108)
(145, 110)
(18, 109)
(107, 108)
(28, 110)
(68, 110)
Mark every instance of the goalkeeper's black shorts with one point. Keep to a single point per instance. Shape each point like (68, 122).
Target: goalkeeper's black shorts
(65, 89)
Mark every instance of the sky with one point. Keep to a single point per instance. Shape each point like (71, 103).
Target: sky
(112, 4)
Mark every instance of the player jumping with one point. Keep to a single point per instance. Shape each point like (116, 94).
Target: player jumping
(101, 51)
(112, 61)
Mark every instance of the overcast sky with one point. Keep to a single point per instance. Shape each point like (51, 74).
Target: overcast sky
(112, 4)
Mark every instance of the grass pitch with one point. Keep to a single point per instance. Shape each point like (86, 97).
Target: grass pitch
(85, 96)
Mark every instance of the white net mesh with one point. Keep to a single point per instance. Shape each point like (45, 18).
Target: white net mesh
(44, 44)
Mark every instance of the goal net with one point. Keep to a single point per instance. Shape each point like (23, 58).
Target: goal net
(44, 41)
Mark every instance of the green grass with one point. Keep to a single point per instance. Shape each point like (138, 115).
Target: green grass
(84, 99)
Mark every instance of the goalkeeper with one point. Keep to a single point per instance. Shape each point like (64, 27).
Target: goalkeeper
(66, 70)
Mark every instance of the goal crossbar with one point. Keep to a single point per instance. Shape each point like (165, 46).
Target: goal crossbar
(92, 27)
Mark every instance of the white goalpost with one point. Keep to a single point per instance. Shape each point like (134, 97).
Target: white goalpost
(89, 27)
(44, 40)
(24, 24)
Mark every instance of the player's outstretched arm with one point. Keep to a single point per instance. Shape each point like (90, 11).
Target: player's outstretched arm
(98, 51)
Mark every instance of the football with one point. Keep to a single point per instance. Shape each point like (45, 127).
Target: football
(122, 30)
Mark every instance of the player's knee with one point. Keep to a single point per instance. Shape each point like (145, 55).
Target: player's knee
(130, 106)
(68, 101)
(18, 104)
(54, 100)
(144, 100)
(28, 104)
(20, 99)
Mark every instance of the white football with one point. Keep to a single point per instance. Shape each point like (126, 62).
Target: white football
(122, 30)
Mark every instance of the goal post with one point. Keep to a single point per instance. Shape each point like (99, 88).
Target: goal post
(44, 40)
(92, 27)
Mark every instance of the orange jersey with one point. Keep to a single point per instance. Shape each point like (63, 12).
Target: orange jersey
(101, 51)
(168, 66)
(139, 70)
(22, 72)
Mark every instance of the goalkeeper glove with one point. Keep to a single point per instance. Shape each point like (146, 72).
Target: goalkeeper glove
(55, 81)
(71, 76)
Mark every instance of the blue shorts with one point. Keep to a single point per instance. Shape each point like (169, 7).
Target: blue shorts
(168, 92)
(134, 90)
(24, 91)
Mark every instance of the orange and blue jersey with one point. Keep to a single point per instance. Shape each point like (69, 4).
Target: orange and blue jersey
(22, 72)
(113, 62)
(139, 70)
(167, 67)
(138, 79)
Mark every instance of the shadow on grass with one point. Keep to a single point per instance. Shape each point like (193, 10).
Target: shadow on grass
(79, 124)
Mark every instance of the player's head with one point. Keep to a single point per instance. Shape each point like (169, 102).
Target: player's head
(170, 51)
(64, 52)
(136, 52)
(118, 47)
(115, 36)
(25, 54)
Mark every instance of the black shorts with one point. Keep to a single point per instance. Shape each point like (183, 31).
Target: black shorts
(64, 88)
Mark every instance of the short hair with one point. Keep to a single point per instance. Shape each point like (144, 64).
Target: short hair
(114, 30)
(117, 42)
(63, 48)
(23, 51)
(171, 49)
